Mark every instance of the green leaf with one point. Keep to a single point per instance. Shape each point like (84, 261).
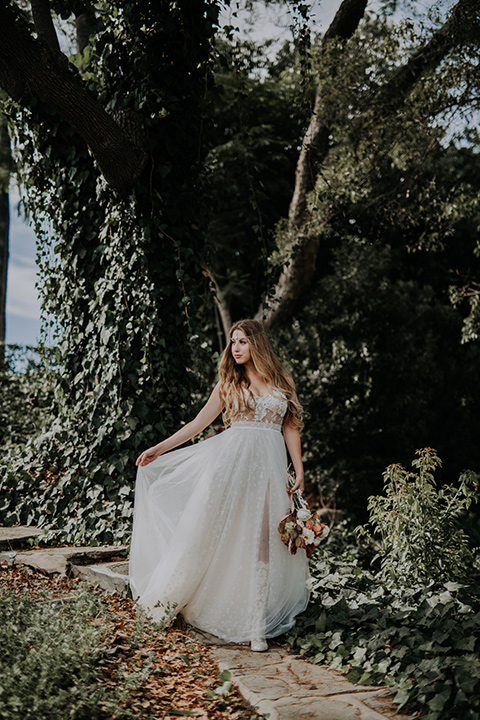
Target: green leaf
(185, 659)
(437, 703)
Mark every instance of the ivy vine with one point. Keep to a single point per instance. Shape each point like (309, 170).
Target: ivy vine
(121, 290)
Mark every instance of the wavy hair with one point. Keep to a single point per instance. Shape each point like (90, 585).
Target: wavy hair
(233, 377)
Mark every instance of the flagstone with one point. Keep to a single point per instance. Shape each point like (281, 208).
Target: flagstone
(58, 560)
(14, 536)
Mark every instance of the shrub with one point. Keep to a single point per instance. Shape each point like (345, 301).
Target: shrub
(25, 395)
(423, 642)
(410, 625)
(418, 524)
(51, 653)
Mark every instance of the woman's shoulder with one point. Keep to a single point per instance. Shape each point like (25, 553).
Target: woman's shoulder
(278, 392)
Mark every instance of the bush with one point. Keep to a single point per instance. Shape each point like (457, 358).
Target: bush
(51, 654)
(423, 642)
(418, 524)
(25, 395)
(410, 625)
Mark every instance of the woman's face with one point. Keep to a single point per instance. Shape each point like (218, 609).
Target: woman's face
(240, 347)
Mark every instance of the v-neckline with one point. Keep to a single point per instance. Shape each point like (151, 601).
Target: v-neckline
(261, 397)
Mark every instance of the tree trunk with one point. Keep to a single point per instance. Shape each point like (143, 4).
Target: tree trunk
(297, 275)
(28, 69)
(295, 279)
(4, 233)
(42, 18)
(84, 26)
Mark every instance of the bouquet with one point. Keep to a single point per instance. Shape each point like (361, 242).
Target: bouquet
(301, 527)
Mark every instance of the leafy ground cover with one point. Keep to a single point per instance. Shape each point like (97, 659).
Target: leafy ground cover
(69, 651)
(410, 616)
(423, 642)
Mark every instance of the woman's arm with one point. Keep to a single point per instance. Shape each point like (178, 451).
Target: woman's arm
(292, 441)
(211, 409)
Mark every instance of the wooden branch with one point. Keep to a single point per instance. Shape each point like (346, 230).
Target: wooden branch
(220, 303)
(462, 25)
(29, 70)
(84, 25)
(315, 142)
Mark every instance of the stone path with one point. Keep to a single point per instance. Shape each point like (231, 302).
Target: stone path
(288, 688)
(284, 686)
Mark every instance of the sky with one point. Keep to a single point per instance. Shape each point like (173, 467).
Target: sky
(23, 307)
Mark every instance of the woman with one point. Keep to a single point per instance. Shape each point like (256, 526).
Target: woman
(205, 539)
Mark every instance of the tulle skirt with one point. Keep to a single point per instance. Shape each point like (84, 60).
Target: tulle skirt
(205, 539)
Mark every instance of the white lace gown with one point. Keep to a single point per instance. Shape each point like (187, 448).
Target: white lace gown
(205, 538)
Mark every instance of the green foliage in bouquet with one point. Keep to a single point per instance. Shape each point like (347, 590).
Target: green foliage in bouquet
(418, 524)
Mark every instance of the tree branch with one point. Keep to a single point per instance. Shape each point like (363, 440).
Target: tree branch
(462, 25)
(315, 147)
(84, 24)
(42, 19)
(28, 69)
(316, 136)
(220, 303)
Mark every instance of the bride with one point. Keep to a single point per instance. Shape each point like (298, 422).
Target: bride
(205, 539)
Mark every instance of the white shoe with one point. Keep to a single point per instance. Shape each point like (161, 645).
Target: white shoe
(259, 645)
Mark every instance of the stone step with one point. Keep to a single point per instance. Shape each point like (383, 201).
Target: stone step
(7, 557)
(111, 576)
(60, 560)
(12, 537)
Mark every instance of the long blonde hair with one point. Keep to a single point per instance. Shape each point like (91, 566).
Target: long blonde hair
(233, 377)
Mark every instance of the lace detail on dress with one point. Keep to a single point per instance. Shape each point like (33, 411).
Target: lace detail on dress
(268, 410)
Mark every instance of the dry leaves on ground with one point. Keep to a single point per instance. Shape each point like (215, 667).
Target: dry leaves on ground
(162, 674)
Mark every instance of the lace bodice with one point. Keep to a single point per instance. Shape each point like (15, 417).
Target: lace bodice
(268, 410)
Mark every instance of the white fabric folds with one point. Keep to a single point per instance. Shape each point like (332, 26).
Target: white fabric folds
(205, 521)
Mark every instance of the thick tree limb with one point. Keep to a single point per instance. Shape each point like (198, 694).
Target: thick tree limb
(315, 146)
(84, 25)
(42, 18)
(221, 304)
(315, 141)
(462, 25)
(28, 69)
